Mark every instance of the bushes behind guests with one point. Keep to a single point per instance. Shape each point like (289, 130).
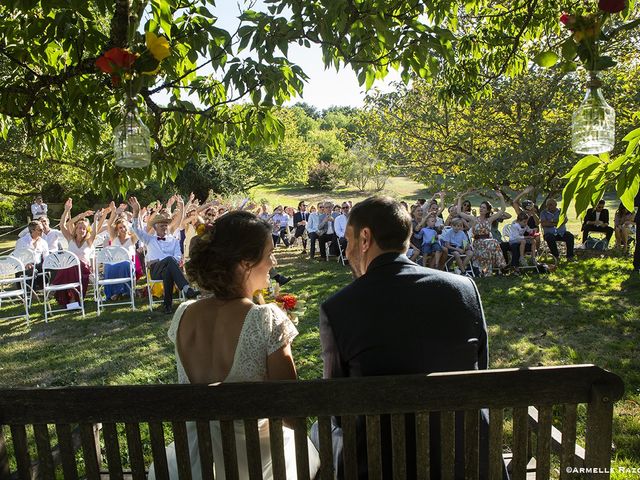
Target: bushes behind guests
(324, 176)
(7, 216)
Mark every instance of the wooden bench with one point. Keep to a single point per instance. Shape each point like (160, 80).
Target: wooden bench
(32, 419)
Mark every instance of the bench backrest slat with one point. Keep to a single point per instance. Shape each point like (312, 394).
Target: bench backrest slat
(21, 449)
(4, 456)
(92, 469)
(254, 459)
(598, 442)
(112, 449)
(398, 446)
(276, 442)
(66, 447)
(374, 459)
(43, 444)
(496, 427)
(203, 430)
(520, 443)
(543, 447)
(181, 443)
(447, 442)
(157, 439)
(423, 447)
(326, 450)
(567, 449)
(134, 445)
(348, 423)
(471, 446)
(301, 447)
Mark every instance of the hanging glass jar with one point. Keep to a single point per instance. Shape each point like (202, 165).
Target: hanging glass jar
(594, 122)
(131, 139)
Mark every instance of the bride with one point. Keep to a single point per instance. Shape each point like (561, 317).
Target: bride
(227, 338)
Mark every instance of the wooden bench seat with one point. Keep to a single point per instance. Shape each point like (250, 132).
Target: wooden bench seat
(134, 421)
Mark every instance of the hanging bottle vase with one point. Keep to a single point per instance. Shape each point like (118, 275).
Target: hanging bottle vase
(131, 140)
(594, 122)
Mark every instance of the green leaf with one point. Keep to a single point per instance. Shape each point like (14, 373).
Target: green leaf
(630, 193)
(546, 59)
(583, 164)
(569, 49)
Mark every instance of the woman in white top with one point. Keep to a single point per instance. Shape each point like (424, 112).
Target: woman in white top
(119, 235)
(80, 237)
(227, 338)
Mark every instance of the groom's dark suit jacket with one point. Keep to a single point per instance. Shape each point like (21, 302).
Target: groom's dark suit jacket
(400, 318)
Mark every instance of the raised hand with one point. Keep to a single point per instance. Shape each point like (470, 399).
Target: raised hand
(68, 205)
(135, 206)
(171, 201)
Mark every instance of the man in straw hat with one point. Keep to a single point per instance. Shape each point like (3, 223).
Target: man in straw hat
(163, 255)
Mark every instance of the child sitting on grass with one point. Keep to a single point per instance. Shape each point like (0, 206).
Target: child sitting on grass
(430, 245)
(457, 243)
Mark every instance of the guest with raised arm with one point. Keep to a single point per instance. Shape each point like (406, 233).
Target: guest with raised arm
(120, 236)
(553, 232)
(78, 232)
(52, 236)
(38, 208)
(487, 253)
(163, 255)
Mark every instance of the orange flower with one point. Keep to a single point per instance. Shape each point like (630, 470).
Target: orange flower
(116, 59)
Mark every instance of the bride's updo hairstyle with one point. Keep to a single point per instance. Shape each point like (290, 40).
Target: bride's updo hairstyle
(214, 257)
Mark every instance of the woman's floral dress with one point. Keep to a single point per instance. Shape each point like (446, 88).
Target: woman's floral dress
(486, 249)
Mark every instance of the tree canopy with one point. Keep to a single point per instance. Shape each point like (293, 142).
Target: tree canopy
(222, 84)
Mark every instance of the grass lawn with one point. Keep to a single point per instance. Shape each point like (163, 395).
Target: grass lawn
(586, 312)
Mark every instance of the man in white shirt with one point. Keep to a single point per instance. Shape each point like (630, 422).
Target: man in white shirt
(38, 208)
(54, 238)
(36, 246)
(163, 255)
(340, 225)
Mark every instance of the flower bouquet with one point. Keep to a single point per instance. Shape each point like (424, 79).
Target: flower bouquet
(291, 306)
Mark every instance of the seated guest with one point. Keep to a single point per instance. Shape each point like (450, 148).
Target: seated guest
(340, 225)
(312, 228)
(326, 232)
(38, 248)
(80, 236)
(119, 236)
(415, 242)
(519, 239)
(597, 220)
(487, 253)
(300, 219)
(623, 221)
(529, 207)
(163, 256)
(430, 245)
(280, 221)
(52, 236)
(455, 242)
(554, 232)
(227, 338)
(38, 208)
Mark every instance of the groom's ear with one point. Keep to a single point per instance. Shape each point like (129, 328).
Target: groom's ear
(365, 239)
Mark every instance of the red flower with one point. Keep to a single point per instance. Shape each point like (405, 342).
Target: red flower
(612, 6)
(288, 301)
(568, 20)
(116, 59)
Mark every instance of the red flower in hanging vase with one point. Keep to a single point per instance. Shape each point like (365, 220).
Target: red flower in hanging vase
(612, 6)
(115, 61)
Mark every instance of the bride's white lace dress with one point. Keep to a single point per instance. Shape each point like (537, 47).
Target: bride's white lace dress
(265, 330)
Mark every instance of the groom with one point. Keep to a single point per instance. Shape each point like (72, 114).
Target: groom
(398, 318)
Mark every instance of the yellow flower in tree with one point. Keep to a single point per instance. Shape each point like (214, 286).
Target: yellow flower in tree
(158, 46)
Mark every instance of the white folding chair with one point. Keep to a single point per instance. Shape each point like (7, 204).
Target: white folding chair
(151, 282)
(111, 256)
(341, 256)
(56, 261)
(9, 268)
(28, 256)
